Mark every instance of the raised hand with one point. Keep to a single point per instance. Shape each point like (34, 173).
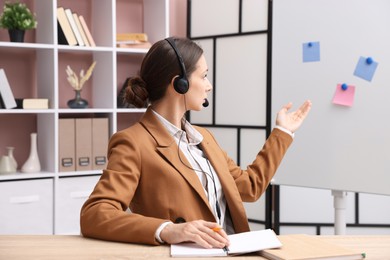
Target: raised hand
(293, 120)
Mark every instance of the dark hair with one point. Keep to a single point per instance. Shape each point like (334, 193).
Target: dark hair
(159, 67)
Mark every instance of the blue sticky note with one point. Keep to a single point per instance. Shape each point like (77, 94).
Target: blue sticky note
(365, 68)
(311, 51)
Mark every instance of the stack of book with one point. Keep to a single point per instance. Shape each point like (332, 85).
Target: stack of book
(132, 40)
(72, 29)
(8, 101)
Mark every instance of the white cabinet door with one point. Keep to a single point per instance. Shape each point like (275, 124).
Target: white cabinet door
(26, 207)
(71, 195)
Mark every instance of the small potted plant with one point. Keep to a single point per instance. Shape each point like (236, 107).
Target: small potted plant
(17, 18)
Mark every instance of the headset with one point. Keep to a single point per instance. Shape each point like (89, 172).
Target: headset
(181, 83)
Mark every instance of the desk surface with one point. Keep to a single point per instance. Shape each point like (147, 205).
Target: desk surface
(33, 247)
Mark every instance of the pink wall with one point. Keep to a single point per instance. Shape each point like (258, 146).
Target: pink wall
(178, 18)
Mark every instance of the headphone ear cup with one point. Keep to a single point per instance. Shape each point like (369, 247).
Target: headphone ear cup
(181, 85)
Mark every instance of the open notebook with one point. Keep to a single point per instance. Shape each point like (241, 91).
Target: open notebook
(241, 243)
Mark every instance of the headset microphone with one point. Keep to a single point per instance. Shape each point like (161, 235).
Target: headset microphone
(206, 103)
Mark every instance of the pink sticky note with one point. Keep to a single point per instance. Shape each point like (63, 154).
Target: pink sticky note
(344, 97)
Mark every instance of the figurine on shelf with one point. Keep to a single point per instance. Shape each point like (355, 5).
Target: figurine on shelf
(77, 85)
(32, 165)
(8, 163)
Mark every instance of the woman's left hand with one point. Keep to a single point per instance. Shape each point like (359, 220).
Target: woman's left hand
(293, 120)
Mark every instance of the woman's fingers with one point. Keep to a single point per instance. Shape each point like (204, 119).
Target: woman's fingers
(203, 233)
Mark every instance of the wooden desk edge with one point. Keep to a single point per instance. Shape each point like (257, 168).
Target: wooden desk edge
(15, 247)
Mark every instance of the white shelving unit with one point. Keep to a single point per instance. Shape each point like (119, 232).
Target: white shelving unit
(51, 200)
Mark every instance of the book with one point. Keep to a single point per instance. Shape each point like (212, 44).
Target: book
(32, 103)
(73, 25)
(241, 243)
(65, 32)
(7, 96)
(80, 29)
(1, 102)
(141, 45)
(87, 31)
(131, 37)
(309, 247)
(132, 40)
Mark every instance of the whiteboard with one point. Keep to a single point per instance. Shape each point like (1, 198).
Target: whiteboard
(338, 147)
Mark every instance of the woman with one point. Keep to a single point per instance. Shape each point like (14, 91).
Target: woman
(173, 176)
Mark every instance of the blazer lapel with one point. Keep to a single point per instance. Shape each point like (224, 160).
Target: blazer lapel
(230, 191)
(168, 149)
(219, 166)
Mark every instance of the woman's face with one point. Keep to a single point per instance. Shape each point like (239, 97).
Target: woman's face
(199, 86)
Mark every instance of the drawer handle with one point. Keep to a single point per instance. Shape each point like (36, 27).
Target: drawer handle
(80, 194)
(24, 199)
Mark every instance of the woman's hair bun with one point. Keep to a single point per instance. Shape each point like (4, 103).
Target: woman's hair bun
(136, 92)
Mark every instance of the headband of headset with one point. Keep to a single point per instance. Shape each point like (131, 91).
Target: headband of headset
(180, 83)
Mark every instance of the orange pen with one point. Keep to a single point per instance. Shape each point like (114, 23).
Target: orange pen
(216, 229)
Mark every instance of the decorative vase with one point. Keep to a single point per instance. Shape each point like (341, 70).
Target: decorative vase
(78, 102)
(10, 153)
(16, 35)
(32, 164)
(6, 165)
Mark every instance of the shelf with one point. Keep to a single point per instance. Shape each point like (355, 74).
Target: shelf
(79, 173)
(36, 69)
(130, 110)
(24, 176)
(131, 50)
(21, 45)
(80, 49)
(85, 110)
(27, 111)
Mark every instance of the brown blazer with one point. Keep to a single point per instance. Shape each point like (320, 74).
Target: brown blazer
(145, 174)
